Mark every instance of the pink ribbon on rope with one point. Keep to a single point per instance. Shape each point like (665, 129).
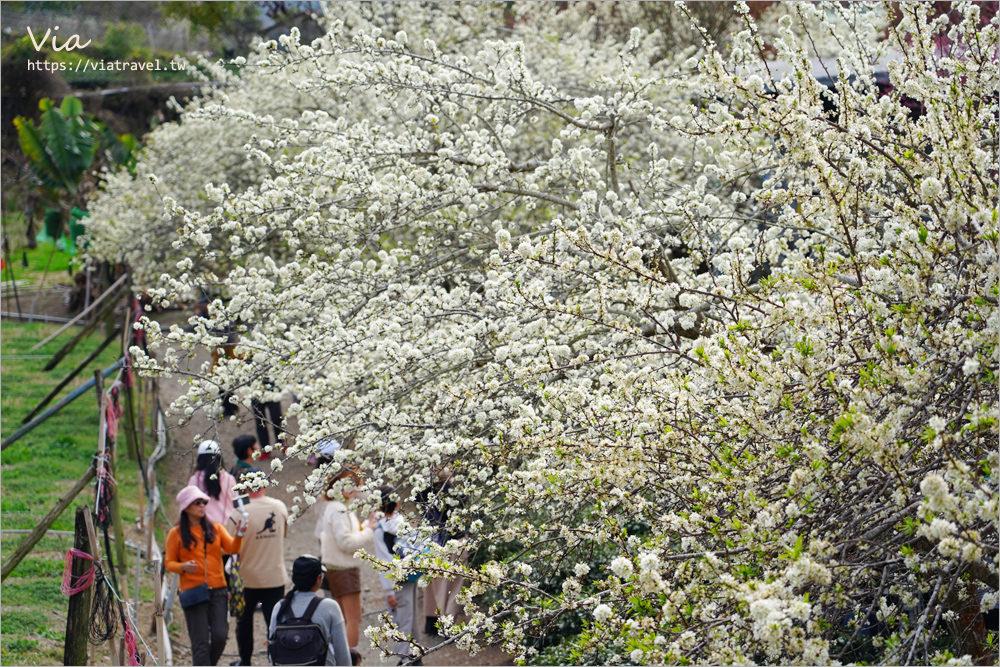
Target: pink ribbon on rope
(131, 647)
(83, 581)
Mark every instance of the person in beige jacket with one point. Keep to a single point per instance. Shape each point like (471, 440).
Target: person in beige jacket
(340, 535)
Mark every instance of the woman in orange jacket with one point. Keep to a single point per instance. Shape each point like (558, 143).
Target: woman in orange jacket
(194, 550)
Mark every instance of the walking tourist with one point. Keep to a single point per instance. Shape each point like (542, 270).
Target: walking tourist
(300, 609)
(194, 550)
(214, 481)
(262, 564)
(267, 413)
(341, 534)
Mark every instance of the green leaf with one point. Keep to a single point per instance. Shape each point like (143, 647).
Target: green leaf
(33, 146)
(796, 551)
(71, 106)
(62, 147)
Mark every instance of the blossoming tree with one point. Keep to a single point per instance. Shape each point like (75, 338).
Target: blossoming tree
(731, 329)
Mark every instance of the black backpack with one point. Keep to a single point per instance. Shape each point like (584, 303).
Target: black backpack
(297, 641)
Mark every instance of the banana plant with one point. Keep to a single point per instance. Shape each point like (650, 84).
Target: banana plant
(62, 148)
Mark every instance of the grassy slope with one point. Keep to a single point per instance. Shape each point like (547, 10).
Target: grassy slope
(36, 471)
(38, 259)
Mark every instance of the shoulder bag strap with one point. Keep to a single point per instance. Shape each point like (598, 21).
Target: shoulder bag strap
(307, 616)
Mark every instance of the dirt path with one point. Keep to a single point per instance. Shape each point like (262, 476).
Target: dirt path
(178, 468)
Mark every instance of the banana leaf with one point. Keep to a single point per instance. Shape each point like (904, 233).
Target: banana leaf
(62, 148)
(33, 146)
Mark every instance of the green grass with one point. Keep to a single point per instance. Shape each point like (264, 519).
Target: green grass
(37, 261)
(20, 651)
(37, 470)
(23, 622)
(26, 593)
(39, 258)
(45, 559)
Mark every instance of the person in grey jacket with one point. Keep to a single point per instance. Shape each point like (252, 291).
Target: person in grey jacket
(307, 576)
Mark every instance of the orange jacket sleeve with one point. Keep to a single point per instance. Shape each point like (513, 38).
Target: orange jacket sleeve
(230, 544)
(173, 547)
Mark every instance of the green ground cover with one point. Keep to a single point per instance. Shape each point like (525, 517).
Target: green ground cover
(36, 471)
(38, 259)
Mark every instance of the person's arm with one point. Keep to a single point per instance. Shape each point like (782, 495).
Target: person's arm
(171, 557)
(347, 539)
(337, 634)
(230, 544)
(272, 623)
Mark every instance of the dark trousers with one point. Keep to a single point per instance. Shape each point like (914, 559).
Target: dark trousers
(228, 409)
(264, 413)
(208, 627)
(268, 597)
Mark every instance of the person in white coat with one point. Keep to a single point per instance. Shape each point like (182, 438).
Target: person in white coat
(341, 534)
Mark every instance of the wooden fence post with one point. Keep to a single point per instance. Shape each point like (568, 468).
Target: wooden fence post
(127, 424)
(95, 551)
(116, 516)
(143, 394)
(78, 616)
(131, 449)
(109, 321)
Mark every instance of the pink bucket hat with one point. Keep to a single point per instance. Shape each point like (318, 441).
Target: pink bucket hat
(188, 495)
